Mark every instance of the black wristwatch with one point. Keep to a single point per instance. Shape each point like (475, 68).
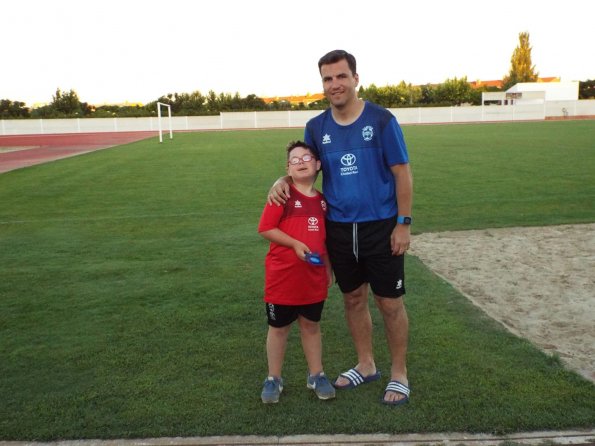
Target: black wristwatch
(402, 220)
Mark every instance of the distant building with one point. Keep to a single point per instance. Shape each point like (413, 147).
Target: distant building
(498, 83)
(296, 100)
(533, 93)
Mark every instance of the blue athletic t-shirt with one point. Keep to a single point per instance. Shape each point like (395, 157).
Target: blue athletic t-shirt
(356, 159)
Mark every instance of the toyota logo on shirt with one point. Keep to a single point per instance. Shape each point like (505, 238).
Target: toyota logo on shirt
(313, 224)
(348, 161)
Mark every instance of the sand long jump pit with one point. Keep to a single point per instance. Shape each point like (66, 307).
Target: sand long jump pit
(538, 282)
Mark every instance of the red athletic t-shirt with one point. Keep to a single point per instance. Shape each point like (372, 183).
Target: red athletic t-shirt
(288, 279)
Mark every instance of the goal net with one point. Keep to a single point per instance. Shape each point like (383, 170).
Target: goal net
(159, 105)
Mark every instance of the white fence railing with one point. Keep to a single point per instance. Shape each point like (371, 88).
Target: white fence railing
(281, 119)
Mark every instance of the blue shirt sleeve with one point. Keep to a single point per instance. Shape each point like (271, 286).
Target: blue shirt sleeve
(393, 143)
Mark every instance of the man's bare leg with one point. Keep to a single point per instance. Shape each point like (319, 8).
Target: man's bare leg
(359, 321)
(396, 326)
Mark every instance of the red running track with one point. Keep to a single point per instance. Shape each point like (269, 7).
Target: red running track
(17, 151)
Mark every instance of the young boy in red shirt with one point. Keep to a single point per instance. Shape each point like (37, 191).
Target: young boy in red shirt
(297, 273)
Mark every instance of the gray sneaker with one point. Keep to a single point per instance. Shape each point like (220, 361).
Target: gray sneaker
(321, 386)
(271, 390)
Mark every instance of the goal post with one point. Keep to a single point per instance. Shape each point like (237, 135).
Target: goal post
(159, 105)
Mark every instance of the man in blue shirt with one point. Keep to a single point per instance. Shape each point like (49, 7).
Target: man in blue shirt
(368, 186)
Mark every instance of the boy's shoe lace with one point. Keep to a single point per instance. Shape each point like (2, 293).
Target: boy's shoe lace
(321, 386)
(271, 390)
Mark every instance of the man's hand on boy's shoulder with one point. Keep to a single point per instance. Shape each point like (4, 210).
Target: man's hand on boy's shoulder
(279, 192)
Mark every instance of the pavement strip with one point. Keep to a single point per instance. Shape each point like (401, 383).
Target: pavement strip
(549, 438)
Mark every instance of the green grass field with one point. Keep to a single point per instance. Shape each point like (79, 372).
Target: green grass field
(131, 292)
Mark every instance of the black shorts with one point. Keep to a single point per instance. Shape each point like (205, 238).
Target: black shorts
(283, 315)
(361, 253)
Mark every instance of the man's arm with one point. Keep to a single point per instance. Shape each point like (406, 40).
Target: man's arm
(279, 191)
(329, 270)
(401, 236)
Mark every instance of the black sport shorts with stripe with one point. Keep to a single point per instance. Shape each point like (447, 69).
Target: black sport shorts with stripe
(361, 253)
(283, 315)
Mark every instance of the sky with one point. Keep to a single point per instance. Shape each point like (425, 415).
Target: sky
(118, 51)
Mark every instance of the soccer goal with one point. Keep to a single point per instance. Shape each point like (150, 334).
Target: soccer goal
(171, 134)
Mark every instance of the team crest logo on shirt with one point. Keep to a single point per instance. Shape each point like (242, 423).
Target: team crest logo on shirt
(326, 139)
(298, 204)
(323, 205)
(313, 224)
(368, 133)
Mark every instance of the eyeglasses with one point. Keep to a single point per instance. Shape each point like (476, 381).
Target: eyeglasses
(296, 159)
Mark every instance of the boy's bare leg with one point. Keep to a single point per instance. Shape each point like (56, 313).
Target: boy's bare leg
(312, 344)
(276, 344)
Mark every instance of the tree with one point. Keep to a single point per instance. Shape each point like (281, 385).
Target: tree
(521, 68)
(409, 94)
(63, 105)
(13, 109)
(391, 96)
(253, 102)
(213, 105)
(427, 94)
(67, 103)
(191, 104)
(586, 89)
(454, 92)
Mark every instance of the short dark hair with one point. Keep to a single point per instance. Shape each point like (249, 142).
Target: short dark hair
(336, 56)
(293, 144)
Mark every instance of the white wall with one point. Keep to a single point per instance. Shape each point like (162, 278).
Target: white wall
(297, 119)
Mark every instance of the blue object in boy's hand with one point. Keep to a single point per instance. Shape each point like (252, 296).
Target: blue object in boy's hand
(314, 259)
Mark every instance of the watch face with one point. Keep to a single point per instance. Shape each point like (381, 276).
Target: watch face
(407, 220)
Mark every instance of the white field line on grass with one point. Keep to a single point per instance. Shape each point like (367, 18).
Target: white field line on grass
(105, 218)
